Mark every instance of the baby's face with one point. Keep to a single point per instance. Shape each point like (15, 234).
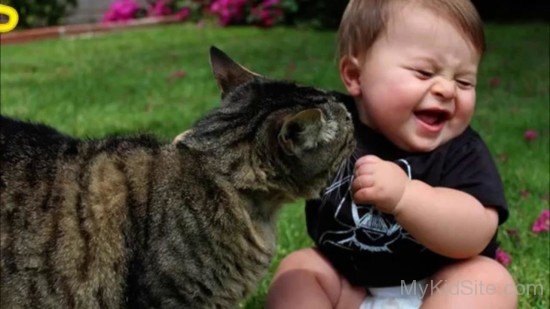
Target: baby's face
(417, 83)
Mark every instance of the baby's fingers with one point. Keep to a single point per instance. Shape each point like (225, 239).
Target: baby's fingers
(368, 159)
(364, 169)
(361, 182)
(364, 195)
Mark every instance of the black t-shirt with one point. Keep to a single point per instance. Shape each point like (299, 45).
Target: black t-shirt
(369, 247)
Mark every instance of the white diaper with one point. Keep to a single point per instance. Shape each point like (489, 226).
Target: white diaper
(396, 297)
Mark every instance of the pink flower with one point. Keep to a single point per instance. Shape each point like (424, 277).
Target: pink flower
(542, 224)
(121, 10)
(266, 14)
(229, 11)
(109, 16)
(183, 13)
(271, 2)
(530, 135)
(159, 8)
(502, 257)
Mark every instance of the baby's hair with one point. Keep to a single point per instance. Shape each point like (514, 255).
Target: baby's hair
(364, 20)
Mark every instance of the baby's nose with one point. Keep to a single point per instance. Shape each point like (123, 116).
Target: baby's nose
(444, 89)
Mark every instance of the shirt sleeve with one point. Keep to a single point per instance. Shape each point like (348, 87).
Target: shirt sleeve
(470, 168)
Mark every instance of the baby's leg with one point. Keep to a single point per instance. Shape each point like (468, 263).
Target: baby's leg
(305, 279)
(479, 282)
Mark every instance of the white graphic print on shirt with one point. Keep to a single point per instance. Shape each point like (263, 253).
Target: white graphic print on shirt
(361, 227)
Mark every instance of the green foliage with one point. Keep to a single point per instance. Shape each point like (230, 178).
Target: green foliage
(198, 8)
(318, 14)
(38, 13)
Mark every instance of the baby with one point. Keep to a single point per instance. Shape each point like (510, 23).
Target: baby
(412, 221)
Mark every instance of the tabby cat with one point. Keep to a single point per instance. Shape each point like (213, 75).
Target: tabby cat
(131, 222)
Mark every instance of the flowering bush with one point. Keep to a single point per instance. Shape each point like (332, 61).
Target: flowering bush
(168, 7)
(159, 8)
(229, 11)
(265, 13)
(121, 10)
(124, 10)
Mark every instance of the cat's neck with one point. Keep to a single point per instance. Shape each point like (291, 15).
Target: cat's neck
(245, 185)
(242, 170)
(211, 211)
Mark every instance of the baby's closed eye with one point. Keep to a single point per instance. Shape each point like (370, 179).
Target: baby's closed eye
(422, 73)
(464, 84)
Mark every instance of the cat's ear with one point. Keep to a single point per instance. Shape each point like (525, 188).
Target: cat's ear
(301, 131)
(188, 140)
(227, 72)
(181, 137)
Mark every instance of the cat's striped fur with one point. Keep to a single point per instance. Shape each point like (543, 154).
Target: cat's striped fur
(132, 222)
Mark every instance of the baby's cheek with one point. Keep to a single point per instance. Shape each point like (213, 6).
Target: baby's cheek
(392, 94)
(399, 101)
(406, 87)
(465, 107)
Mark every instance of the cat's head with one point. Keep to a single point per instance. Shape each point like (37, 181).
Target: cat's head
(272, 135)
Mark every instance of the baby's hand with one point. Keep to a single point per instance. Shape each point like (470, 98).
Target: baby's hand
(378, 182)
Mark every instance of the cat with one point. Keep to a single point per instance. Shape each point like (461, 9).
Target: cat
(132, 222)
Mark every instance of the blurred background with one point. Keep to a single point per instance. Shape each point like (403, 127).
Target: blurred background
(315, 13)
(88, 82)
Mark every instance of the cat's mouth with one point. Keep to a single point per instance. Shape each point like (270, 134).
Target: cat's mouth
(345, 152)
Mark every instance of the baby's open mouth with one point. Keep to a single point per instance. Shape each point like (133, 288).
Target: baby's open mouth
(433, 117)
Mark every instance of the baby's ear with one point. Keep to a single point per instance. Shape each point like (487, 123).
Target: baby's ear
(350, 73)
(227, 72)
(301, 131)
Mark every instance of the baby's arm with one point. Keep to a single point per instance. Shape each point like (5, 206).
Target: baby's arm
(446, 221)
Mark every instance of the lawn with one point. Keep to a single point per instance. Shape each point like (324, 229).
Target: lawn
(159, 80)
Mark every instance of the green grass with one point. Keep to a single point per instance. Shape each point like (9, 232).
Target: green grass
(121, 82)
